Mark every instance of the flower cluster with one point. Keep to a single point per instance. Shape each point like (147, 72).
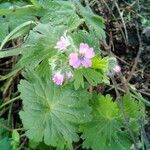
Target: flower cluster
(81, 57)
(59, 77)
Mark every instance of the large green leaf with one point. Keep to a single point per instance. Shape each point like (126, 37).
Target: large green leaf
(5, 144)
(14, 15)
(57, 12)
(94, 22)
(104, 131)
(40, 45)
(50, 112)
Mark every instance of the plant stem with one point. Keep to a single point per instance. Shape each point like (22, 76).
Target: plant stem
(138, 54)
(5, 127)
(119, 100)
(10, 101)
(123, 22)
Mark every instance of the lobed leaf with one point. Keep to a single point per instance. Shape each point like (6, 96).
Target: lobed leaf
(104, 131)
(90, 75)
(52, 113)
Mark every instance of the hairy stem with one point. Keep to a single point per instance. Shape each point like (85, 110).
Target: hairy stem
(10, 101)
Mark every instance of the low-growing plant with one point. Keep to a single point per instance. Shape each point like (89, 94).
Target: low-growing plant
(60, 60)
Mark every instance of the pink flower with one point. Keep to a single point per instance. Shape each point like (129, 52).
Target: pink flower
(69, 75)
(117, 68)
(63, 43)
(83, 58)
(58, 78)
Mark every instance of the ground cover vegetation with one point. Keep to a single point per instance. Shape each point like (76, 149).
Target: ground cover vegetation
(74, 75)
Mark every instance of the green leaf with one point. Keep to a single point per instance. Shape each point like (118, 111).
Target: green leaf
(135, 111)
(14, 15)
(103, 66)
(99, 63)
(94, 22)
(52, 113)
(40, 45)
(90, 75)
(3, 130)
(35, 3)
(104, 131)
(15, 136)
(97, 23)
(11, 52)
(15, 140)
(82, 36)
(41, 146)
(78, 79)
(59, 12)
(28, 9)
(74, 22)
(139, 97)
(18, 31)
(5, 144)
(133, 108)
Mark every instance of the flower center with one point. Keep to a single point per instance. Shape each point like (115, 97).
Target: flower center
(81, 56)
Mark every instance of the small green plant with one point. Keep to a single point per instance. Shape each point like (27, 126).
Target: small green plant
(60, 61)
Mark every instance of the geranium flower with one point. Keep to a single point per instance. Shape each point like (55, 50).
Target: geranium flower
(83, 57)
(58, 78)
(63, 43)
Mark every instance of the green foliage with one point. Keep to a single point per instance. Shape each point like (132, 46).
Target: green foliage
(95, 75)
(82, 36)
(15, 140)
(17, 32)
(94, 22)
(134, 109)
(39, 146)
(57, 17)
(53, 116)
(92, 77)
(39, 45)
(52, 113)
(9, 20)
(5, 144)
(61, 13)
(105, 132)
(100, 63)
(3, 130)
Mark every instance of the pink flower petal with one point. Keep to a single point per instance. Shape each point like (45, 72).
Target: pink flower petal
(63, 43)
(89, 53)
(86, 63)
(86, 50)
(58, 78)
(83, 48)
(74, 60)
